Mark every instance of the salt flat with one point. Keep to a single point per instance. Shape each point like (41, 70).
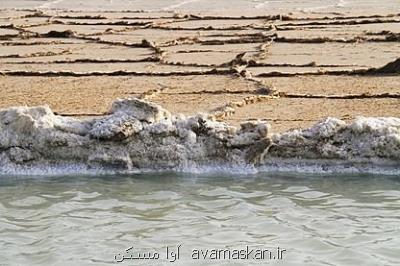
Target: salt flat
(199, 56)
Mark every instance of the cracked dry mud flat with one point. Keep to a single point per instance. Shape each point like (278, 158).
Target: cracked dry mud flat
(291, 70)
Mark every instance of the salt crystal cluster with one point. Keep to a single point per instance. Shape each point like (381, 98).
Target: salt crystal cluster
(137, 135)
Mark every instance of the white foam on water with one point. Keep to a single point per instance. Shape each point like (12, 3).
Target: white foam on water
(377, 167)
(275, 166)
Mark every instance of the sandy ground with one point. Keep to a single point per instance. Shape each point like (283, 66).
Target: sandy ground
(313, 64)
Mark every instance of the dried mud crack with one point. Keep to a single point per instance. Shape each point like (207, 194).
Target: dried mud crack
(279, 67)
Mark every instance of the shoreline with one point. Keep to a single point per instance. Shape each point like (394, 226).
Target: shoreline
(284, 81)
(138, 135)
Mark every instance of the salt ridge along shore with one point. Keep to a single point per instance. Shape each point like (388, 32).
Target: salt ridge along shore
(139, 135)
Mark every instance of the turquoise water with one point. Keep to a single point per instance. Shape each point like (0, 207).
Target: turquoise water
(87, 220)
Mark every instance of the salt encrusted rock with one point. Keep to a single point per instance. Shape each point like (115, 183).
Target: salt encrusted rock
(73, 126)
(27, 119)
(115, 127)
(164, 127)
(377, 137)
(326, 128)
(114, 161)
(364, 139)
(259, 127)
(187, 135)
(250, 132)
(377, 125)
(141, 135)
(20, 126)
(140, 109)
(20, 155)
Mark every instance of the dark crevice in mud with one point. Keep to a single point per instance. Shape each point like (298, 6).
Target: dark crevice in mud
(102, 17)
(357, 39)
(341, 22)
(7, 37)
(196, 51)
(88, 60)
(353, 17)
(345, 96)
(80, 114)
(110, 23)
(249, 38)
(144, 44)
(38, 54)
(8, 26)
(253, 39)
(114, 73)
(283, 17)
(67, 33)
(388, 69)
(267, 17)
(110, 31)
(135, 11)
(318, 40)
(27, 26)
(253, 63)
(235, 64)
(250, 63)
(239, 61)
(170, 63)
(34, 43)
(13, 27)
(58, 34)
(319, 73)
(289, 28)
(128, 26)
(382, 32)
(153, 46)
(80, 17)
(388, 36)
(216, 92)
(36, 14)
(255, 34)
(207, 28)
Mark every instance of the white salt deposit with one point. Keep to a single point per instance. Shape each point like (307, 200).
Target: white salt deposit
(139, 135)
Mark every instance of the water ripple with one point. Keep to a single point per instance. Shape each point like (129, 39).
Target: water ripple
(87, 220)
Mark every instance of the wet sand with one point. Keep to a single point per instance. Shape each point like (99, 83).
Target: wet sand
(291, 68)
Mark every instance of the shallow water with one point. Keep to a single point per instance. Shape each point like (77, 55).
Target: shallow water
(87, 220)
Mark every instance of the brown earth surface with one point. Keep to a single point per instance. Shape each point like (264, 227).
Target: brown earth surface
(290, 70)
